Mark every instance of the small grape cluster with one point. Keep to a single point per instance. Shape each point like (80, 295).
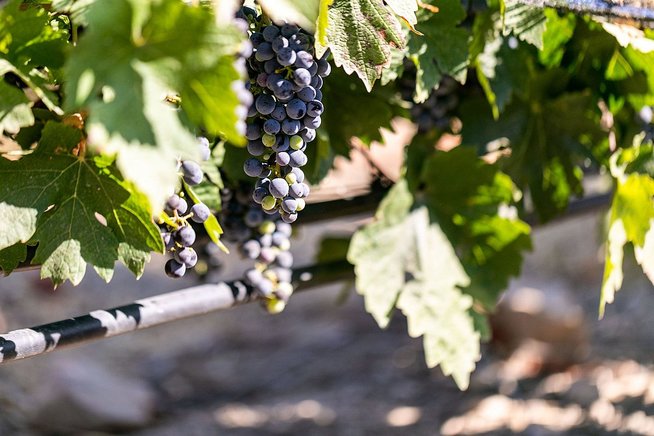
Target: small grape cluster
(436, 111)
(264, 239)
(286, 82)
(177, 233)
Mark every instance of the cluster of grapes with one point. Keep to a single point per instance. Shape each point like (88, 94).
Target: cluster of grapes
(286, 82)
(177, 233)
(436, 111)
(263, 238)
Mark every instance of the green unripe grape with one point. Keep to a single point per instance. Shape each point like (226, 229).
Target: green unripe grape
(291, 178)
(296, 142)
(300, 204)
(268, 203)
(285, 246)
(269, 140)
(267, 227)
(275, 305)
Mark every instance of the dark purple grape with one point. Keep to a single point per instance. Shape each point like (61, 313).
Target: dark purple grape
(279, 43)
(187, 256)
(279, 113)
(253, 167)
(278, 187)
(281, 144)
(270, 33)
(324, 68)
(288, 217)
(286, 56)
(185, 236)
(200, 212)
(302, 77)
(311, 122)
(307, 94)
(192, 173)
(298, 159)
(289, 205)
(315, 108)
(296, 109)
(174, 269)
(265, 104)
(272, 127)
(304, 60)
(282, 158)
(308, 134)
(259, 194)
(253, 131)
(291, 127)
(256, 147)
(296, 190)
(264, 52)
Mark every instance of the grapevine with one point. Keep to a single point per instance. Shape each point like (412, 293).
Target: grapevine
(191, 128)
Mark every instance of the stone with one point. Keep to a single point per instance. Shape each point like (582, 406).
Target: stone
(87, 396)
(543, 324)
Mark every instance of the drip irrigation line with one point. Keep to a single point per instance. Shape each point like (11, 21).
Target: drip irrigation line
(152, 311)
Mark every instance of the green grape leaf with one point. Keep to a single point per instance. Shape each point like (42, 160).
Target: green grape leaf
(85, 213)
(28, 42)
(125, 94)
(404, 260)
(304, 13)
(366, 112)
(542, 158)
(361, 35)
(209, 194)
(558, 31)
(631, 221)
(442, 50)
(526, 22)
(478, 215)
(12, 256)
(15, 109)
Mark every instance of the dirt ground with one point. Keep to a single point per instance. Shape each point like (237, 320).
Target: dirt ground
(323, 367)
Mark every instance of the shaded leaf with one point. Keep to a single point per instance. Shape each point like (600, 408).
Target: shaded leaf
(441, 50)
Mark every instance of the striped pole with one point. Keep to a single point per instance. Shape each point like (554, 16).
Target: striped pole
(149, 312)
